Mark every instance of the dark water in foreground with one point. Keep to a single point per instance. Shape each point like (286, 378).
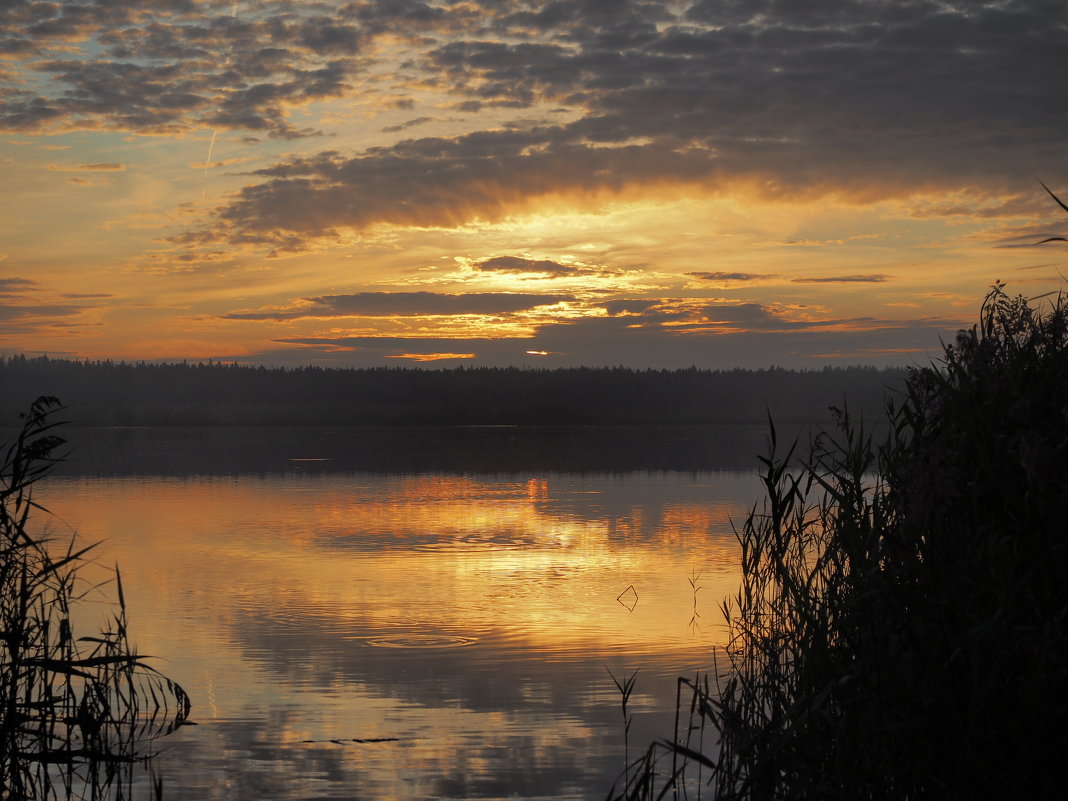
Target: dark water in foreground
(348, 628)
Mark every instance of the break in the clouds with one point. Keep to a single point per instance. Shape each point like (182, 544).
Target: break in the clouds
(403, 304)
(636, 306)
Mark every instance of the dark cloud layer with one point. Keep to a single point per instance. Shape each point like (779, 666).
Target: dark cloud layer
(165, 66)
(854, 98)
(440, 182)
(721, 277)
(743, 278)
(517, 264)
(850, 97)
(20, 305)
(404, 304)
(615, 341)
(874, 278)
(756, 317)
(11, 285)
(37, 311)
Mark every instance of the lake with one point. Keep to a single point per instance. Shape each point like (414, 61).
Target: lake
(401, 614)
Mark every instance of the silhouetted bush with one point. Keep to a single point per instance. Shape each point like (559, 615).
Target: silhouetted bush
(75, 711)
(902, 621)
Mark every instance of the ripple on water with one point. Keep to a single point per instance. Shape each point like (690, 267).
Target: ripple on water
(421, 641)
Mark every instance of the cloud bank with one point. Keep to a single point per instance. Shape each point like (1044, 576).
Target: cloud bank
(388, 124)
(403, 304)
(847, 97)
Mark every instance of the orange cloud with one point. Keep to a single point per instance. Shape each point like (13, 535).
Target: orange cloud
(430, 357)
(108, 166)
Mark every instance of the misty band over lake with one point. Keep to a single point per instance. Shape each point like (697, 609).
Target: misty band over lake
(354, 628)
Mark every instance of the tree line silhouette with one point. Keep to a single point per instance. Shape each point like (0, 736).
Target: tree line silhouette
(137, 394)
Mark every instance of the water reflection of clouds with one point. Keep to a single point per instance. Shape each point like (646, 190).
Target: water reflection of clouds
(484, 556)
(539, 726)
(519, 727)
(266, 591)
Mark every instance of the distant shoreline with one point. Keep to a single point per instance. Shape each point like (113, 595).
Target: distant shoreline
(109, 394)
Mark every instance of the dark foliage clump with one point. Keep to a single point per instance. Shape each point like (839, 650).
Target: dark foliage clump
(979, 492)
(76, 712)
(903, 614)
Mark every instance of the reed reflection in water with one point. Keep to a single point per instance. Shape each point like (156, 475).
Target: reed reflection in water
(408, 636)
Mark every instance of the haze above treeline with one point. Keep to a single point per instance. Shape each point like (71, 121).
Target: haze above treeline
(106, 393)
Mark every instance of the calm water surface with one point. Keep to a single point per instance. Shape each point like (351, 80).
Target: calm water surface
(431, 634)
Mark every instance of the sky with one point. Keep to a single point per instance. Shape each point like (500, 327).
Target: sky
(648, 183)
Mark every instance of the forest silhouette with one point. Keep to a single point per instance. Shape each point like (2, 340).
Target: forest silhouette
(145, 394)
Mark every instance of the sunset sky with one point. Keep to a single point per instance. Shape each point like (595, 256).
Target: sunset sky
(652, 183)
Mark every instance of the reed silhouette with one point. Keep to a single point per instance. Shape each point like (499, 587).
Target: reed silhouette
(76, 711)
(901, 622)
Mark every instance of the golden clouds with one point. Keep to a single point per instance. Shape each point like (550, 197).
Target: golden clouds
(612, 177)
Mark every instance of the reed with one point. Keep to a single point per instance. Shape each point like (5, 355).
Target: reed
(625, 686)
(75, 711)
(902, 617)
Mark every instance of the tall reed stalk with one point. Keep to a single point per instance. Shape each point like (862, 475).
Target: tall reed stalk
(902, 617)
(75, 711)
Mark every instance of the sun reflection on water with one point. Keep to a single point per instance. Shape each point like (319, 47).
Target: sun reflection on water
(468, 617)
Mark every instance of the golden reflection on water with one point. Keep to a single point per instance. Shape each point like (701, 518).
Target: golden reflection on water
(270, 598)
